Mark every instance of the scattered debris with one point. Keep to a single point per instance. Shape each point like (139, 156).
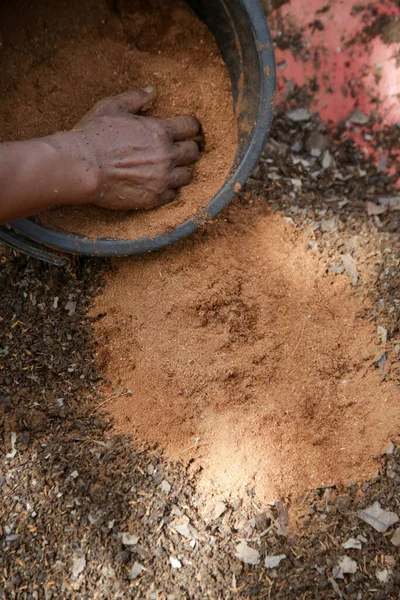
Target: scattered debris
(335, 586)
(13, 448)
(351, 267)
(299, 114)
(382, 334)
(345, 566)
(219, 509)
(358, 118)
(390, 561)
(375, 209)
(327, 160)
(381, 362)
(166, 486)
(328, 225)
(248, 555)
(184, 528)
(395, 539)
(391, 203)
(352, 543)
(383, 575)
(136, 570)
(70, 307)
(78, 564)
(390, 449)
(175, 563)
(337, 270)
(129, 539)
(273, 561)
(282, 521)
(296, 147)
(315, 141)
(377, 517)
(395, 203)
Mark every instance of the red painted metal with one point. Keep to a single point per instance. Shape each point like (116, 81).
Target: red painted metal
(363, 75)
(345, 66)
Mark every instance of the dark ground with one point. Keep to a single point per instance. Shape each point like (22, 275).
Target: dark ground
(73, 487)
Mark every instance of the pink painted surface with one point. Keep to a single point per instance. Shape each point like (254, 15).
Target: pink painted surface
(360, 75)
(350, 70)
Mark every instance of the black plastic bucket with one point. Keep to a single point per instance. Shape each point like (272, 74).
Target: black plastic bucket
(242, 34)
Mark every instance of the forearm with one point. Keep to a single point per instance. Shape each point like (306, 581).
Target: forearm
(40, 173)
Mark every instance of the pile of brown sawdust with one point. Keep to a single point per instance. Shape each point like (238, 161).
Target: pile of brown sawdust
(59, 58)
(241, 353)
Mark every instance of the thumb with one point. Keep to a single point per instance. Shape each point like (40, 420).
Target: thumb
(135, 100)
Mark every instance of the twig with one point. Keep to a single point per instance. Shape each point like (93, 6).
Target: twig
(107, 400)
(300, 338)
(264, 533)
(195, 445)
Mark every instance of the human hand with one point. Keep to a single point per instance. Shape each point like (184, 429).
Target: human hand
(139, 162)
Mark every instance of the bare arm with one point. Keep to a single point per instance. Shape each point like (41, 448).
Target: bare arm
(41, 173)
(113, 158)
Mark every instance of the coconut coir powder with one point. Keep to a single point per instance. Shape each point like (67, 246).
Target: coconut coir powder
(58, 58)
(244, 358)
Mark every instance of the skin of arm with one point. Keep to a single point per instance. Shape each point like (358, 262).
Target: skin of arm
(40, 173)
(113, 158)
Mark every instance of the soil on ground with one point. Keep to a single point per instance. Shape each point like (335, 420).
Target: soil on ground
(59, 58)
(232, 350)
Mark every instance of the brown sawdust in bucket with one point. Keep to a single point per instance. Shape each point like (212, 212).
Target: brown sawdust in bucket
(243, 355)
(59, 58)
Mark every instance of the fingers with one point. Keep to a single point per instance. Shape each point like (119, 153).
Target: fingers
(180, 176)
(166, 197)
(134, 100)
(186, 153)
(182, 128)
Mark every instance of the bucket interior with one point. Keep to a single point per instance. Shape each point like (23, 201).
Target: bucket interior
(242, 34)
(230, 24)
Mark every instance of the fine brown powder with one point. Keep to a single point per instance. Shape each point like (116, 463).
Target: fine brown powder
(58, 58)
(239, 355)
